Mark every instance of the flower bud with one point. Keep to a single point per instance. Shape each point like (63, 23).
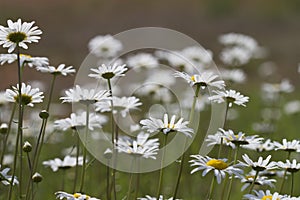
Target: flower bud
(36, 178)
(108, 153)
(3, 128)
(27, 147)
(44, 114)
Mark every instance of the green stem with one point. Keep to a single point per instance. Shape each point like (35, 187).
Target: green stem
(84, 147)
(183, 155)
(7, 134)
(108, 197)
(283, 181)
(292, 187)
(232, 176)
(130, 180)
(211, 188)
(221, 142)
(137, 186)
(161, 168)
(253, 183)
(77, 160)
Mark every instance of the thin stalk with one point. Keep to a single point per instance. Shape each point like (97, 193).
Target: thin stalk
(231, 180)
(292, 187)
(161, 168)
(112, 115)
(108, 197)
(211, 188)
(7, 134)
(77, 161)
(130, 180)
(283, 181)
(137, 185)
(253, 183)
(30, 182)
(63, 180)
(84, 147)
(183, 155)
(221, 142)
(20, 120)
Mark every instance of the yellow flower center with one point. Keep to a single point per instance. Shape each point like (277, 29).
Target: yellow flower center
(25, 55)
(193, 78)
(217, 164)
(171, 126)
(249, 177)
(26, 99)
(76, 195)
(268, 197)
(108, 75)
(16, 37)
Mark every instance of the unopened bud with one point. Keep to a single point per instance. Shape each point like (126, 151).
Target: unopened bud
(108, 153)
(44, 114)
(3, 128)
(36, 178)
(27, 147)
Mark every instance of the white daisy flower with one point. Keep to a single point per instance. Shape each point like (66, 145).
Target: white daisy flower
(292, 107)
(231, 96)
(233, 75)
(60, 70)
(105, 46)
(121, 105)
(157, 92)
(218, 166)
(290, 166)
(5, 178)
(18, 33)
(204, 79)
(142, 60)
(142, 146)
(66, 163)
(237, 39)
(259, 165)
(24, 59)
(260, 180)
(161, 197)
(81, 95)
(235, 56)
(30, 95)
(261, 146)
(283, 87)
(77, 196)
(76, 121)
(108, 71)
(198, 55)
(153, 125)
(215, 139)
(265, 195)
(290, 146)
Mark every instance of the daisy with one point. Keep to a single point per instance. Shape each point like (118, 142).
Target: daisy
(218, 166)
(161, 197)
(30, 95)
(259, 165)
(237, 39)
(233, 75)
(77, 196)
(142, 146)
(215, 139)
(76, 121)
(157, 125)
(142, 60)
(289, 166)
(265, 195)
(235, 56)
(60, 70)
(108, 71)
(85, 96)
(260, 180)
(66, 163)
(283, 87)
(198, 55)
(231, 96)
(121, 105)
(261, 146)
(105, 46)
(24, 59)
(5, 178)
(289, 146)
(292, 107)
(18, 33)
(204, 79)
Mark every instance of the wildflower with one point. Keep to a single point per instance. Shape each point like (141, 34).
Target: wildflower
(24, 59)
(121, 105)
(235, 56)
(157, 125)
(204, 79)
(66, 163)
(231, 96)
(108, 72)
(292, 107)
(18, 33)
(283, 87)
(261, 146)
(214, 139)
(233, 75)
(219, 166)
(289, 146)
(77, 196)
(37, 177)
(241, 40)
(161, 197)
(289, 166)
(85, 96)
(142, 60)
(198, 55)
(30, 95)
(104, 46)
(60, 70)
(5, 178)
(142, 146)
(261, 164)
(76, 121)
(265, 195)
(260, 180)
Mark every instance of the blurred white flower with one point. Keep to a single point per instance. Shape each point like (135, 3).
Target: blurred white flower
(261, 146)
(292, 107)
(3, 99)
(220, 167)
(233, 75)
(290, 146)
(153, 125)
(235, 56)
(66, 163)
(30, 95)
(60, 70)
(5, 178)
(18, 33)
(77, 196)
(231, 96)
(142, 60)
(121, 105)
(260, 180)
(108, 71)
(198, 55)
(105, 46)
(24, 60)
(283, 87)
(241, 40)
(161, 197)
